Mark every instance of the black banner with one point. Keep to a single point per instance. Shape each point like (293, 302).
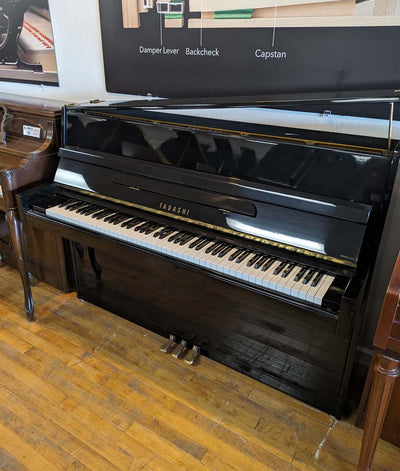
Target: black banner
(165, 49)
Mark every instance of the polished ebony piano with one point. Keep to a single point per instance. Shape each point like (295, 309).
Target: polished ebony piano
(250, 243)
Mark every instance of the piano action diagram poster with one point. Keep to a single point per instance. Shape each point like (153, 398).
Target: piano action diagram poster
(26, 42)
(212, 48)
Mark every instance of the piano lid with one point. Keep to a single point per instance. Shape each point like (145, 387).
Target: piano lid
(314, 196)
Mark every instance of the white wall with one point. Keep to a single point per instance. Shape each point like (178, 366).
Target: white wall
(77, 39)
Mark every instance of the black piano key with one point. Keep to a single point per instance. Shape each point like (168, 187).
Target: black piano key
(152, 228)
(253, 260)
(65, 203)
(92, 211)
(76, 209)
(167, 233)
(134, 223)
(287, 270)
(300, 274)
(182, 236)
(235, 254)
(308, 276)
(187, 239)
(268, 264)
(74, 205)
(196, 242)
(121, 219)
(142, 226)
(259, 263)
(212, 247)
(243, 256)
(218, 249)
(110, 218)
(128, 221)
(163, 230)
(226, 250)
(279, 268)
(99, 214)
(317, 278)
(174, 236)
(89, 210)
(106, 213)
(82, 209)
(115, 217)
(95, 213)
(203, 244)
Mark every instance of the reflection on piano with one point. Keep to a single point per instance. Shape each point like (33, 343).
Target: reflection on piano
(29, 141)
(250, 243)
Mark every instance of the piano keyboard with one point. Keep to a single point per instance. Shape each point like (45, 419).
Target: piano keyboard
(256, 268)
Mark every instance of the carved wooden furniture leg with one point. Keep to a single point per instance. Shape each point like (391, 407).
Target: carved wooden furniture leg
(15, 233)
(386, 370)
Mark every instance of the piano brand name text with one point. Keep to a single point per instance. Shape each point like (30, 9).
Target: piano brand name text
(171, 208)
(158, 50)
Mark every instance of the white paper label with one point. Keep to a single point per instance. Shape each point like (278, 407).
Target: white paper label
(31, 131)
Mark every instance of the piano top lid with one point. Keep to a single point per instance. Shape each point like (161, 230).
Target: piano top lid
(369, 134)
(278, 100)
(37, 106)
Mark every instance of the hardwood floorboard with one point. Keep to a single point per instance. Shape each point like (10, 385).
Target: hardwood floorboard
(82, 389)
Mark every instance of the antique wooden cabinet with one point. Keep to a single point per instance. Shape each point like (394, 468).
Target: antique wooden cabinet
(29, 141)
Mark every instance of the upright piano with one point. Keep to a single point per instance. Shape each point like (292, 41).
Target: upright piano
(29, 142)
(250, 243)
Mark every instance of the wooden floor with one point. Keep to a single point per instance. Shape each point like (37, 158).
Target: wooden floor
(81, 389)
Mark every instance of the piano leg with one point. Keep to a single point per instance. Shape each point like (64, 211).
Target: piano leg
(386, 370)
(14, 229)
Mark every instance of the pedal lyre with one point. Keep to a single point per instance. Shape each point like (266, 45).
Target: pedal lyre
(181, 350)
(166, 348)
(195, 352)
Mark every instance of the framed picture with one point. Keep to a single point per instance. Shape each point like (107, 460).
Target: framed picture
(26, 42)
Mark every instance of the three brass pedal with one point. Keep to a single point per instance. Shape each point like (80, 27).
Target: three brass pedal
(179, 350)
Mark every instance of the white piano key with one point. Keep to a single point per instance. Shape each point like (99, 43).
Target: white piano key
(323, 289)
(269, 277)
(290, 282)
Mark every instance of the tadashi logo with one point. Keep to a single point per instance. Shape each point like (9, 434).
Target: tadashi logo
(170, 208)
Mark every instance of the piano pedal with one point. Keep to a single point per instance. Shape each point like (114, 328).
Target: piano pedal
(181, 350)
(194, 354)
(166, 348)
